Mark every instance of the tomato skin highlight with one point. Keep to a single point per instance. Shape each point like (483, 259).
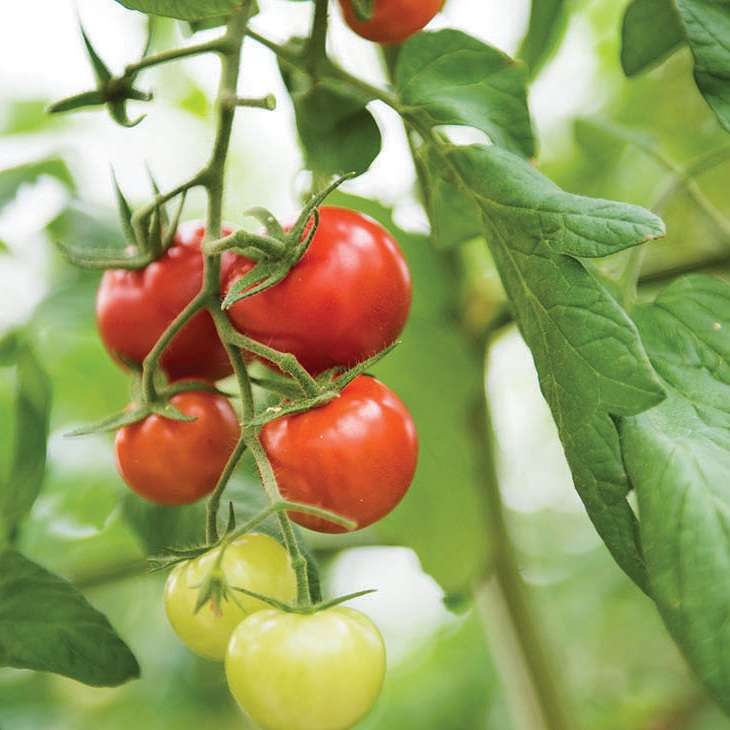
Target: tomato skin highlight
(134, 307)
(344, 301)
(392, 21)
(178, 462)
(321, 671)
(355, 456)
(253, 561)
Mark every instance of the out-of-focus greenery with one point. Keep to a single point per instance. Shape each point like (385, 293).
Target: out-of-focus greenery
(613, 659)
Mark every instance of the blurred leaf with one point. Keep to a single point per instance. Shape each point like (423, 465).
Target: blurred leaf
(545, 31)
(338, 133)
(587, 352)
(13, 178)
(449, 684)
(707, 26)
(678, 459)
(81, 232)
(195, 10)
(454, 217)
(21, 483)
(443, 517)
(159, 527)
(449, 77)
(47, 625)
(26, 117)
(650, 32)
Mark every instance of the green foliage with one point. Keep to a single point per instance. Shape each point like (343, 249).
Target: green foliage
(337, 132)
(587, 352)
(651, 31)
(47, 625)
(678, 459)
(707, 25)
(21, 481)
(546, 28)
(195, 10)
(12, 179)
(448, 77)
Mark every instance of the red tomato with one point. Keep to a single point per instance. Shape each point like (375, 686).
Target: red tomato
(344, 301)
(178, 462)
(134, 307)
(392, 21)
(355, 456)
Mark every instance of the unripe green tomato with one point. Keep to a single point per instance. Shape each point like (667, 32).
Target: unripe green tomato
(321, 671)
(255, 562)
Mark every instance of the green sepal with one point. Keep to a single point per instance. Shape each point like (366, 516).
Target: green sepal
(101, 72)
(363, 9)
(112, 422)
(77, 101)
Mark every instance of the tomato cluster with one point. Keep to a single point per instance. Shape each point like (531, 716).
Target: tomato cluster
(345, 299)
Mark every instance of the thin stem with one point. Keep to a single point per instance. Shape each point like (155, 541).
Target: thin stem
(317, 45)
(150, 362)
(284, 361)
(512, 587)
(298, 561)
(173, 54)
(211, 523)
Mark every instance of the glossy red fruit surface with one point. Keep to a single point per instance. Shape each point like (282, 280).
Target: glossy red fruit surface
(344, 301)
(134, 307)
(392, 21)
(355, 456)
(178, 462)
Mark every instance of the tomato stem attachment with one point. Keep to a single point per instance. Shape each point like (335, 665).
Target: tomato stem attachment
(298, 561)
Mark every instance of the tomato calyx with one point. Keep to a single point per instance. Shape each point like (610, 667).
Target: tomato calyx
(141, 406)
(111, 91)
(302, 610)
(274, 252)
(363, 10)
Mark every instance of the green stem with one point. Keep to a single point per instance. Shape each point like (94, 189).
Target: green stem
(150, 362)
(174, 54)
(317, 45)
(214, 501)
(540, 671)
(298, 561)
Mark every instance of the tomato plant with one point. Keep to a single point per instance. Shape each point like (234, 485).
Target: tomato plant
(255, 562)
(355, 456)
(134, 307)
(320, 671)
(177, 462)
(345, 300)
(392, 21)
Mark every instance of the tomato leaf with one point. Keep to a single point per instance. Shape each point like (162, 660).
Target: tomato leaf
(443, 517)
(12, 179)
(707, 27)
(159, 528)
(20, 485)
(47, 625)
(337, 132)
(195, 10)
(546, 28)
(448, 77)
(678, 459)
(587, 352)
(650, 32)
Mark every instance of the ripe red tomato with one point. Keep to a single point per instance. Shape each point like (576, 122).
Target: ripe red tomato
(355, 456)
(134, 307)
(178, 462)
(322, 671)
(344, 301)
(392, 21)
